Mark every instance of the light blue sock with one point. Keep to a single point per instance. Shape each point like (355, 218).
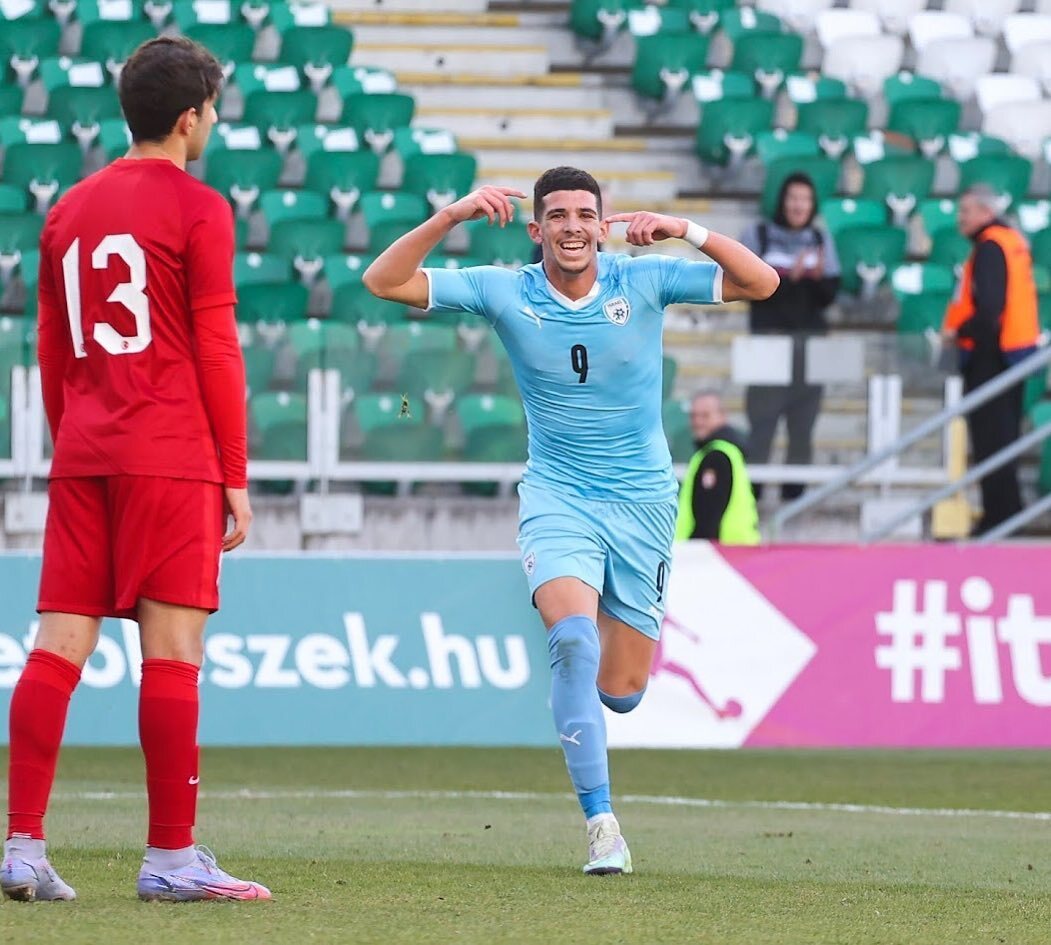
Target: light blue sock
(573, 647)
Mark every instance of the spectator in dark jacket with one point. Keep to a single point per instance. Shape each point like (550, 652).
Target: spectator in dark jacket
(805, 258)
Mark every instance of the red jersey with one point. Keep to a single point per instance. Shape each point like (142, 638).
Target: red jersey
(136, 307)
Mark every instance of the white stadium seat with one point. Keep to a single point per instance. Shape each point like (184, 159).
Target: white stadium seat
(987, 16)
(1034, 60)
(1023, 125)
(930, 26)
(864, 62)
(834, 25)
(800, 15)
(1002, 88)
(1021, 29)
(894, 15)
(957, 63)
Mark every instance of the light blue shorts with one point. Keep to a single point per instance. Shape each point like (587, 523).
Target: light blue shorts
(622, 549)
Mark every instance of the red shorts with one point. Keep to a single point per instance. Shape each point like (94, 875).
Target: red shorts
(112, 540)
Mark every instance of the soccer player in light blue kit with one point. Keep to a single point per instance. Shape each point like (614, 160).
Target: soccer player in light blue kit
(598, 497)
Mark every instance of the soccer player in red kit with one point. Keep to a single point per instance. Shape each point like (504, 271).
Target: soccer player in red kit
(144, 390)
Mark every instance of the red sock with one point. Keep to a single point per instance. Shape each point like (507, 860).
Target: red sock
(168, 709)
(38, 716)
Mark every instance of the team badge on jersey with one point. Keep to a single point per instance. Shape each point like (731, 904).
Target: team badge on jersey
(618, 310)
(529, 563)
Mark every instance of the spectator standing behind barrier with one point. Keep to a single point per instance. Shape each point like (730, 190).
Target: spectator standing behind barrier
(994, 323)
(805, 258)
(716, 500)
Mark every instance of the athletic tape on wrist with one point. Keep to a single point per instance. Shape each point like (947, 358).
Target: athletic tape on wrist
(696, 235)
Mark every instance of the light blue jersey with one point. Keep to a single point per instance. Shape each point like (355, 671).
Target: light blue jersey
(590, 371)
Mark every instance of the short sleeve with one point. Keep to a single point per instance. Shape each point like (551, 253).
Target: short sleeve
(686, 281)
(479, 290)
(210, 256)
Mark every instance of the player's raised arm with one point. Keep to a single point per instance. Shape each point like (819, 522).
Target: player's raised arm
(396, 275)
(745, 275)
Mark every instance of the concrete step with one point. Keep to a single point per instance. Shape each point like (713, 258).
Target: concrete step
(553, 98)
(502, 123)
(407, 6)
(439, 58)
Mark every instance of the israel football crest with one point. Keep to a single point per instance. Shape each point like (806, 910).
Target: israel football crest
(617, 310)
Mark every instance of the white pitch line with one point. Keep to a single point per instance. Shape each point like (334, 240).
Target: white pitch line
(657, 800)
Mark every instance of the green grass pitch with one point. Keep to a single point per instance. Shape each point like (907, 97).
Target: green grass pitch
(421, 846)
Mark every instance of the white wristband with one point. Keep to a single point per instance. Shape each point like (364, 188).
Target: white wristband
(696, 235)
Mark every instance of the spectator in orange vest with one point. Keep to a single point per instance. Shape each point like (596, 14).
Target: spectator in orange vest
(993, 323)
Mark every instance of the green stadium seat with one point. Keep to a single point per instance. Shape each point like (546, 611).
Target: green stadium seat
(17, 130)
(280, 113)
(403, 444)
(90, 11)
(279, 426)
(651, 19)
(937, 214)
(965, 145)
(949, 248)
(259, 366)
(353, 304)
(112, 41)
(902, 181)
(803, 87)
(440, 178)
(340, 269)
(186, 14)
(256, 268)
(272, 302)
(300, 16)
(769, 56)
(1008, 174)
(278, 205)
(437, 376)
(509, 246)
(343, 175)
(13, 199)
(928, 121)
(735, 23)
(923, 311)
(42, 169)
(907, 85)
(314, 138)
(377, 117)
(267, 77)
(476, 411)
(823, 171)
(11, 98)
(114, 138)
(729, 127)
(600, 20)
(669, 369)
(497, 443)
(380, 207)
(82, 110)
(849, 211)
(230, 43)
(867, 255)
(28, 271)
(28, 10)
(19, 233)
(702, 14)
(835, 122)
(78, 73)
(331, 346)
(918, 278)
(1042, 278)
(243, 175)
(410, 141)
(664, 63)
(318, 52)
(24, 43)
(712, 85)
(405, 338)
(1040, 244)
(306, 242)
(1039, 416)
(373, 412)
(5, 427)
(778, 144)
(359, 80)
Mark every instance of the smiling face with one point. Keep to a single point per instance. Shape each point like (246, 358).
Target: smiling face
(570, 229)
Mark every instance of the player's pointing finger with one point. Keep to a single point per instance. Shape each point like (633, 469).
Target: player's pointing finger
(621, 217)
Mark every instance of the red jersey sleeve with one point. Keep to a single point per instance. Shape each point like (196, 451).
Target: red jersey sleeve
(222, 373)
(210, 255)
(54, 344)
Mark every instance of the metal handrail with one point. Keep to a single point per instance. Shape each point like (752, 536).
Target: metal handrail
(1016, 521)
(991, 464)
(1002, 382)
